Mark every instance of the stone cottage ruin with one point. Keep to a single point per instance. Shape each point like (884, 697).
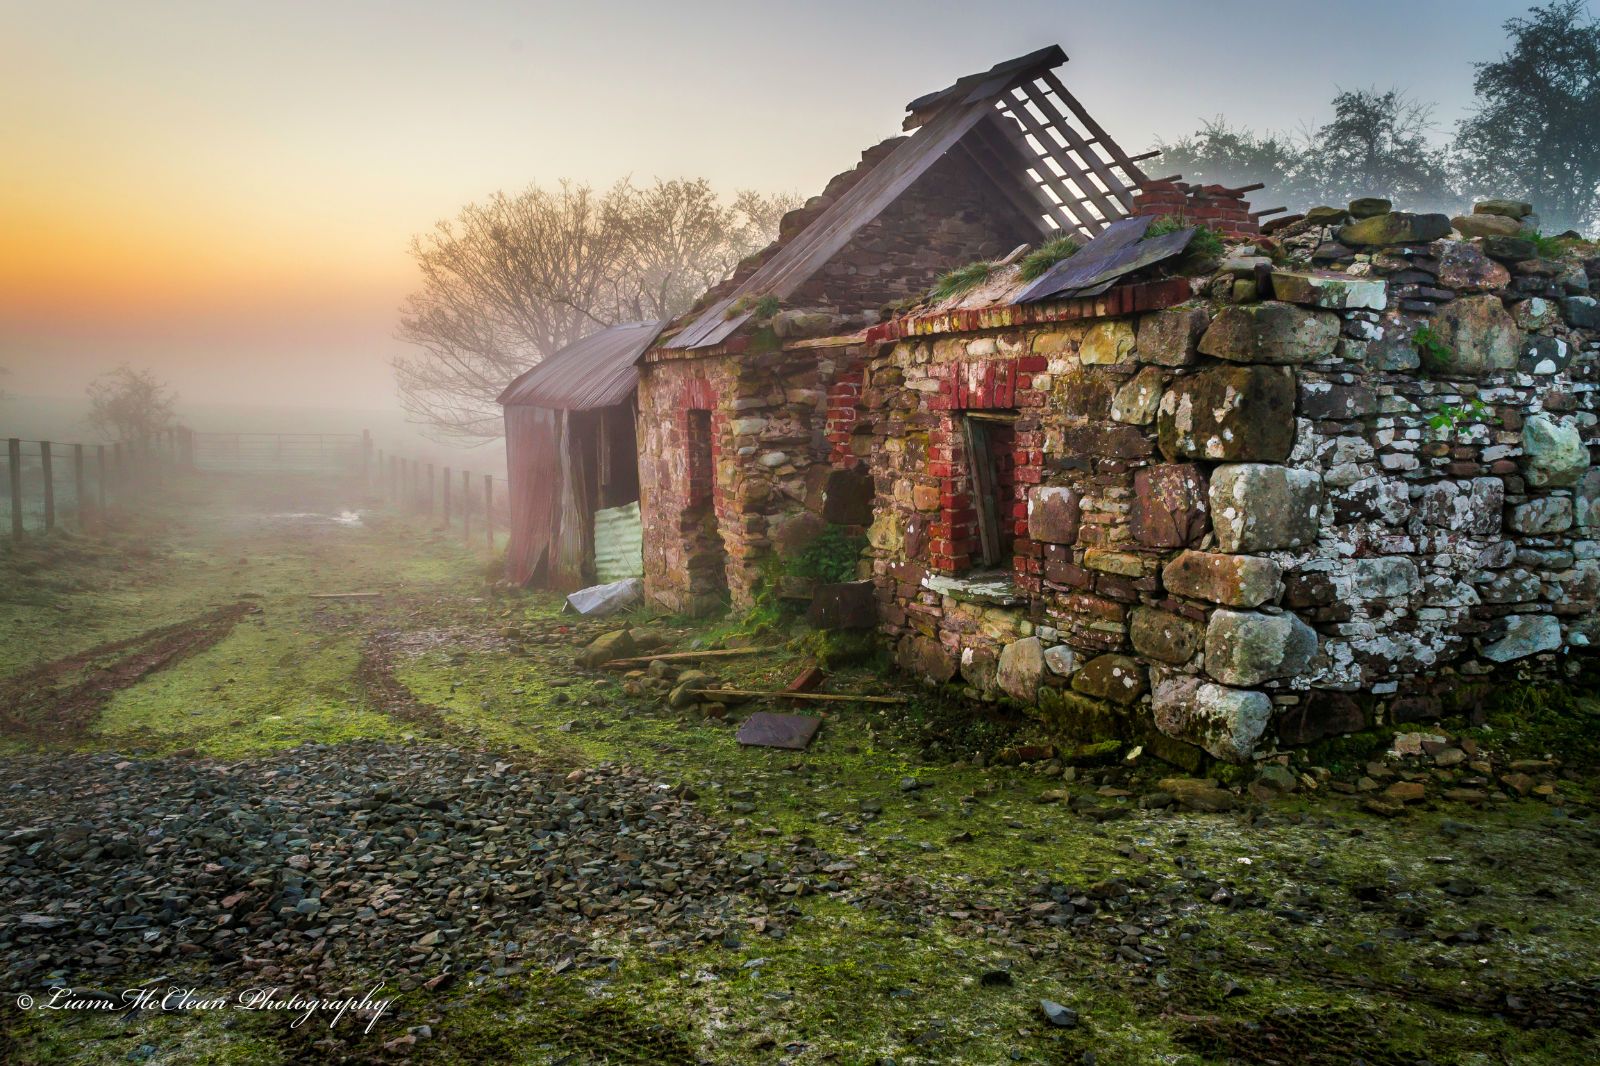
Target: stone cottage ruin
(1202, 483)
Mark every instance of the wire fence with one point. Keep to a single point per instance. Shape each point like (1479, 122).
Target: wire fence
(452, 497)
(309, 453)
(70, 484)
(49, 484)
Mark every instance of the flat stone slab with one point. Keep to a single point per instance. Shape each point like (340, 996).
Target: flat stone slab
(767, 730)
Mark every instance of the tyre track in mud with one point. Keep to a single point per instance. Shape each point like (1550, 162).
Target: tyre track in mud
(59, 701)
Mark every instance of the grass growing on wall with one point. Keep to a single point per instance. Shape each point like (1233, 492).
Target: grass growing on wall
(1041, 259)
(962, 279)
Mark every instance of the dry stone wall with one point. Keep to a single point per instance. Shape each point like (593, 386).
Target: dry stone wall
(1350, 478)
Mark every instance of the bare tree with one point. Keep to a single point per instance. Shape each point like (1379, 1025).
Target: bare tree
(130, 405)
(518, 277)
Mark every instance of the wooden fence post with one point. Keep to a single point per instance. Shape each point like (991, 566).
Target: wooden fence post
(116, 465)
(49, 485)
(466, 506)
(488, 508)
(77, 481)
(14, 468)
(444, 484)
(100, 479)
(428, 508)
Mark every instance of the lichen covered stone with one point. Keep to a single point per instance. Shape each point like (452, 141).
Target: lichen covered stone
(1264, 507)
(1271, 332)
(1229, 413)
(1248, 647)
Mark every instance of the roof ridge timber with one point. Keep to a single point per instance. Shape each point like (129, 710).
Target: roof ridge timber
(1016, 121)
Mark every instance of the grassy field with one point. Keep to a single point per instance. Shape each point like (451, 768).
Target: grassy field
(1300, 931)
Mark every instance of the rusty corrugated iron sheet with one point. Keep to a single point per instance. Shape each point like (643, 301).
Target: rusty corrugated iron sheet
(533, 471)
(597, 371)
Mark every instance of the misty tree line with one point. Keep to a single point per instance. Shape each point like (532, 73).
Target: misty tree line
(516, 278)
(1533, 134)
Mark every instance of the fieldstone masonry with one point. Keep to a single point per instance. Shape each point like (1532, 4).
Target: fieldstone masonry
(1258, 511)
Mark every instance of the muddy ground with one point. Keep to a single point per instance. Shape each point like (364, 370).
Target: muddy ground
(215, 781)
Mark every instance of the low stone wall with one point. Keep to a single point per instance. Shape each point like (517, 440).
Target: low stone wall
(1348, 479)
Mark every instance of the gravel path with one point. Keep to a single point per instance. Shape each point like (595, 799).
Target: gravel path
(411, 861)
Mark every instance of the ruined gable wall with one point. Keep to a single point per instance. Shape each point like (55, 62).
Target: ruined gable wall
(948, 217)
(1257, 522)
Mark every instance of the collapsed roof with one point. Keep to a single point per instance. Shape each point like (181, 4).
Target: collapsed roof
(1030, 138)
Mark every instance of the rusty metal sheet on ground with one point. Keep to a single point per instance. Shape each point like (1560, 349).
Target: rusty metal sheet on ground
(766, 730)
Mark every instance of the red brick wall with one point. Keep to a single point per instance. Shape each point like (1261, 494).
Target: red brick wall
(1206, 205)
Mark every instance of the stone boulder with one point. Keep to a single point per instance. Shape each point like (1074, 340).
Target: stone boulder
(1554, 454)
(1332, 291)
(1196, 794)
(1171, 337)
(1542, 517)
(1259, 507)
(1382, 577)
(1464, 267)
(1229, 413)
(1226, 722)
(1509, 249)
(1582, 311)
(1053, 514)
(1486, 226)
(1368, 206)
(1107, 344)
(1118, 678)
(1271, 332)
(1061, 660)
(1396, 227)
(1586, 502)
(1233, 580)
(1164, 636)
(1473, 507)
(1507, 208)
(1480, 335)
(1525, 634)
(1021, 668)
(1135, 403)
(1247, 647)
(1169, 505)
(618, 644)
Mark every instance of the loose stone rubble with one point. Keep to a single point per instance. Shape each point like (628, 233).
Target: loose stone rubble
(328, 861)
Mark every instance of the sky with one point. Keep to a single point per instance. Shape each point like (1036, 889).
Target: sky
(225, 192)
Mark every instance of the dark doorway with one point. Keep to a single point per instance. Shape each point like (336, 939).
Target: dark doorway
(990, 438)
(707, 558)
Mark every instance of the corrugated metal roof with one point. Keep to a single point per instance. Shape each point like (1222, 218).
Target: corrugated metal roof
(1066, 176)
(596, 371)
